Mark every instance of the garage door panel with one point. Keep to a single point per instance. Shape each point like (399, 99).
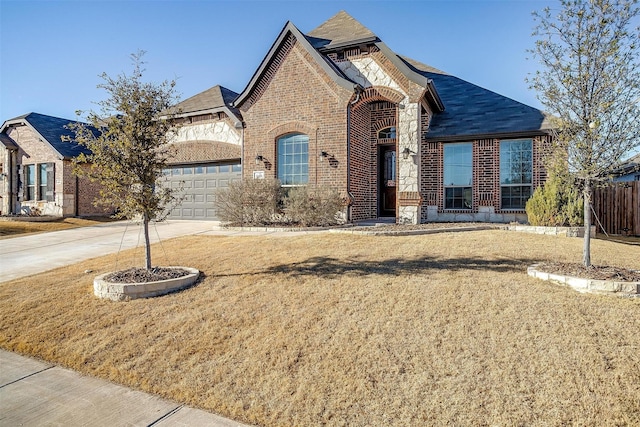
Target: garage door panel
(198, 185)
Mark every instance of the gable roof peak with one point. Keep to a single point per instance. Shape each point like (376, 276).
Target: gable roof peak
(340, 30)
(53, 130)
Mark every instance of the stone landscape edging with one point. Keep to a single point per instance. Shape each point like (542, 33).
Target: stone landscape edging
(553, 231)
(610, 287)
(371, 231)
(267, 229)
(128, 291)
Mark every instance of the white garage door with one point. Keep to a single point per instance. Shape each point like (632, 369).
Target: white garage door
(197, 184)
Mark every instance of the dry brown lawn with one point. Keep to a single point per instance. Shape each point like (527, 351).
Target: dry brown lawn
(13, 228)
(335, 329)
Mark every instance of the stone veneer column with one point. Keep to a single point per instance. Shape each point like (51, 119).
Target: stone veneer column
(408, 175)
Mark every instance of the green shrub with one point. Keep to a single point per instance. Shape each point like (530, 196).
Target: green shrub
(313, 205)
(250, 202)
(557, 203)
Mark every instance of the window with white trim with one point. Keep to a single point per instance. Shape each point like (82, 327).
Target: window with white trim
(516, 173)
(458, 175)
(293, 159)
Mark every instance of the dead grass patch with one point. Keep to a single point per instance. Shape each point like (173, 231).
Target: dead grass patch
(13, 228)
(443, 329)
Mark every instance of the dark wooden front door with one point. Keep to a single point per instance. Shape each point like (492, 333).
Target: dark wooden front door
(387, 180)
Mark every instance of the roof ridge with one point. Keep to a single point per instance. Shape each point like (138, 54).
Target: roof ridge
(341, 29)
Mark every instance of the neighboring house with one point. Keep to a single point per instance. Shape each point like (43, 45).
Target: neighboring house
(37, 169)
(400, 139)
(208, 152)
(628, 171)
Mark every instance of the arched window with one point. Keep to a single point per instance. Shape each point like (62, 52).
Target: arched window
(293, 159)
(387, 133)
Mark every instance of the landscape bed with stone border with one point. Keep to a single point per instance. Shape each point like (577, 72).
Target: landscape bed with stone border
(611, 287)
(103, 288)
(554, 231)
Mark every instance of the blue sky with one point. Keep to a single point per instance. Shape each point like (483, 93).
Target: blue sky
(52, 52)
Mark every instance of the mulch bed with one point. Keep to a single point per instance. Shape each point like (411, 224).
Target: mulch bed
(142, 275)
(594, 272)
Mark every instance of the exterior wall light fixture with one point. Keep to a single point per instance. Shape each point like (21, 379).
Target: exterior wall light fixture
(259, 159)
(406, 152)
(323, 155)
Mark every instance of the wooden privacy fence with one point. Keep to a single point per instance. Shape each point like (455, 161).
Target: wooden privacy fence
(617, 208)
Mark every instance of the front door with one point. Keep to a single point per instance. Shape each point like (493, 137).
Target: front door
(387, 180)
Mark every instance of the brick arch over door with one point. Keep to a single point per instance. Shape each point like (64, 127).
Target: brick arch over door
(383, 124)
(204, 151)
(365, 122)
(377, 93)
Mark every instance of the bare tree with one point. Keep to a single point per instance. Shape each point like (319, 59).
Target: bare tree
(130, 146)
(590, 82)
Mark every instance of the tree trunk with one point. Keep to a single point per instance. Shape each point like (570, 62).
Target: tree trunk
(147, 243)
(586, 250)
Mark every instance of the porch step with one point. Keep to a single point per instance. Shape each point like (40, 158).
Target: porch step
(375, 222)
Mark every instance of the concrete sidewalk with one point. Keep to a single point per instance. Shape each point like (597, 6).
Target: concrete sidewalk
(34, 393)
(34, 253)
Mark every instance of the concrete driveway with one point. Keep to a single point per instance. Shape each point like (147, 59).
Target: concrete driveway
(35, 253)
(37, 393)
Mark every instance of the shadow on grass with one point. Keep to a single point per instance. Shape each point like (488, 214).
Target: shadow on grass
(332, 267)
(625, 240)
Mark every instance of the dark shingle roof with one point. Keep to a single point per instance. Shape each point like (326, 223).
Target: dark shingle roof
(339, 30)
(53, 129)
(471, 110)
(217, 97)
(7, 142)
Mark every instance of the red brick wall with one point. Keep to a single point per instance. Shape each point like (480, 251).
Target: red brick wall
(486, 172)
(366, 120)
(485, 167)
(87, 192)
(296, 95)
(362, 170)
(431, 155)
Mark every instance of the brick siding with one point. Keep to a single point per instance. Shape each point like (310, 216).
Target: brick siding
(296, 95)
